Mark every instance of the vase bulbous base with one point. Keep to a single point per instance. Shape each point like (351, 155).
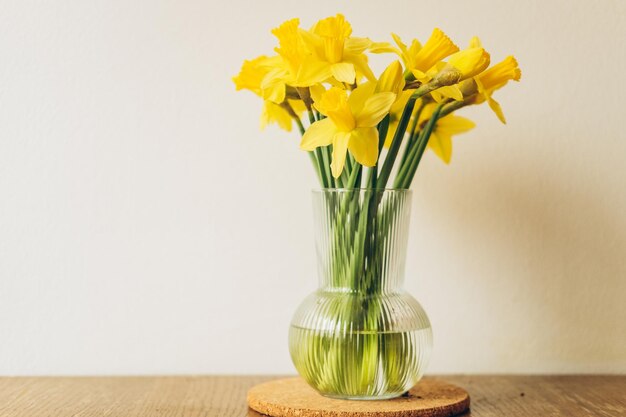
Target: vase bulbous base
(350, 346)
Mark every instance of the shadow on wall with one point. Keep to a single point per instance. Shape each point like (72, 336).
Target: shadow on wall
(550, 260)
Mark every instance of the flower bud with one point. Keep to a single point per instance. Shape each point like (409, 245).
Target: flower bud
(447, 76)
(468, 87)
(462, 65)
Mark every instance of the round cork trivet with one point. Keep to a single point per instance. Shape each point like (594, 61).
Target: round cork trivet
(293, 397)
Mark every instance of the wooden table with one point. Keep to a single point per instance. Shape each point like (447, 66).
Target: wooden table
(224, 396)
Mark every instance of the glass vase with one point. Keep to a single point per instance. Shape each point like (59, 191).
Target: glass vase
(361, 335)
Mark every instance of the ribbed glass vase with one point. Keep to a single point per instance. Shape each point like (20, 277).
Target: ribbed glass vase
(360, 335)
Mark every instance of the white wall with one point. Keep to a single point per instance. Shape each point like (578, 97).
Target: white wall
(147, 226)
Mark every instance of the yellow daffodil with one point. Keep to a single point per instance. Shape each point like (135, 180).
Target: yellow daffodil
(495, 78)
(322, 69)
(424, 62)
(482, 86)
(390, 81)
(299, 67)
(336, 52)
(440, 140)
(350, 123)
(420, 59)
(251, 77)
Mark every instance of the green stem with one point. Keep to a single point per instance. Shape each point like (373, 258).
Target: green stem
(320, 167)
(413, 134)
(383, 128)
(347, 171)
(367, 243)
(354, 175)
(339, 180)
(405, 176)
(325, 151)
(395, 144)
(300, 125)
(342, 181)
(455, 105)
(400, 131)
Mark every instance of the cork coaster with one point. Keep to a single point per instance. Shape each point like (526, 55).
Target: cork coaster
(293, 397)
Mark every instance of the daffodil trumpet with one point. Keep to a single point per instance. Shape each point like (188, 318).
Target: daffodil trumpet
(354, 125)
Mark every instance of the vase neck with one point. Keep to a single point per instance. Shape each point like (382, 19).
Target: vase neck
(379, 285)
(361, 239)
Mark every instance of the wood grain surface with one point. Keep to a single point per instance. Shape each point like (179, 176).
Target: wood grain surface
(225, 396)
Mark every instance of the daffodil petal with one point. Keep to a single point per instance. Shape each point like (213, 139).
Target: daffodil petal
(441, 145)
(391, 131)
(275, 92)
(273, 86)
(375, 109)
(413, 50)
(317, 91)
(363, 145)
(421, 76)
(272, 112)
(334, 104)
(495, 106)
(356, 45)
(359, 95)
(436, 96)
(475, 42)
(298, 106)
(392, 79)
(344, 72)
(312, 72)
(383, 47)
(401, 45)
(361, 66)
(453, 125)
(320, 133)
(449, 91)
(340, 148)
(426, 112)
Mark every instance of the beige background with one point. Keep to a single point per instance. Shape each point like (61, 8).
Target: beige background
(147, 226)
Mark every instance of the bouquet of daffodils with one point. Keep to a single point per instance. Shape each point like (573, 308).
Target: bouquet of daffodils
(323, 75)
(365, 135)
